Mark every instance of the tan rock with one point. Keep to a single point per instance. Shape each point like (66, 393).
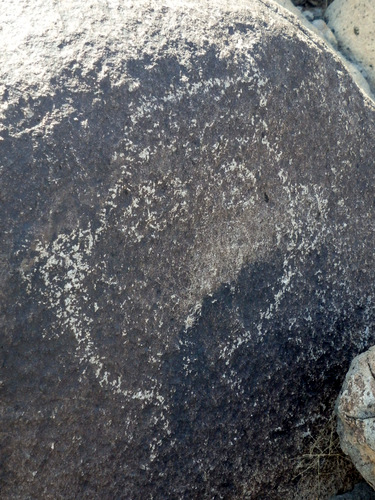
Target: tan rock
(356, 414)
(353, 22)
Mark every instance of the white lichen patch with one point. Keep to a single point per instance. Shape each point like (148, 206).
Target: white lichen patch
(64, 267)
(303, 238)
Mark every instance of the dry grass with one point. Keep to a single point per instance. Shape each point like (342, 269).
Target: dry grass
(324, 460)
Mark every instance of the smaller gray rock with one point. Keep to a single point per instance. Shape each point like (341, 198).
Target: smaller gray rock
(309, 15)
(355, 410)
(361, 491)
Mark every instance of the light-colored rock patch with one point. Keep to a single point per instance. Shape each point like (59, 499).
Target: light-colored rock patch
(356, 414)
(353, 22)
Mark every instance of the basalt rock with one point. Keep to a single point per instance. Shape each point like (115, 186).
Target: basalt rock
(187, 242)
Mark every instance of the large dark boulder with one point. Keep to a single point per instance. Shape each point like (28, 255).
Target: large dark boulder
(187, 247)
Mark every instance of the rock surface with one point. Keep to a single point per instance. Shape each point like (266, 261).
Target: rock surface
(187, 244)
(356, 414)
(353, 22)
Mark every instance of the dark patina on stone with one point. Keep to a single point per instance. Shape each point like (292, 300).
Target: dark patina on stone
(186, 243)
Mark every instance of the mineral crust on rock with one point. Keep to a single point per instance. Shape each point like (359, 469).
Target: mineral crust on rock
(187, 206)
(356, 414)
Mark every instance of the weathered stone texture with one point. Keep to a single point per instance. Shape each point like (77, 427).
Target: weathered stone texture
(187, 243)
